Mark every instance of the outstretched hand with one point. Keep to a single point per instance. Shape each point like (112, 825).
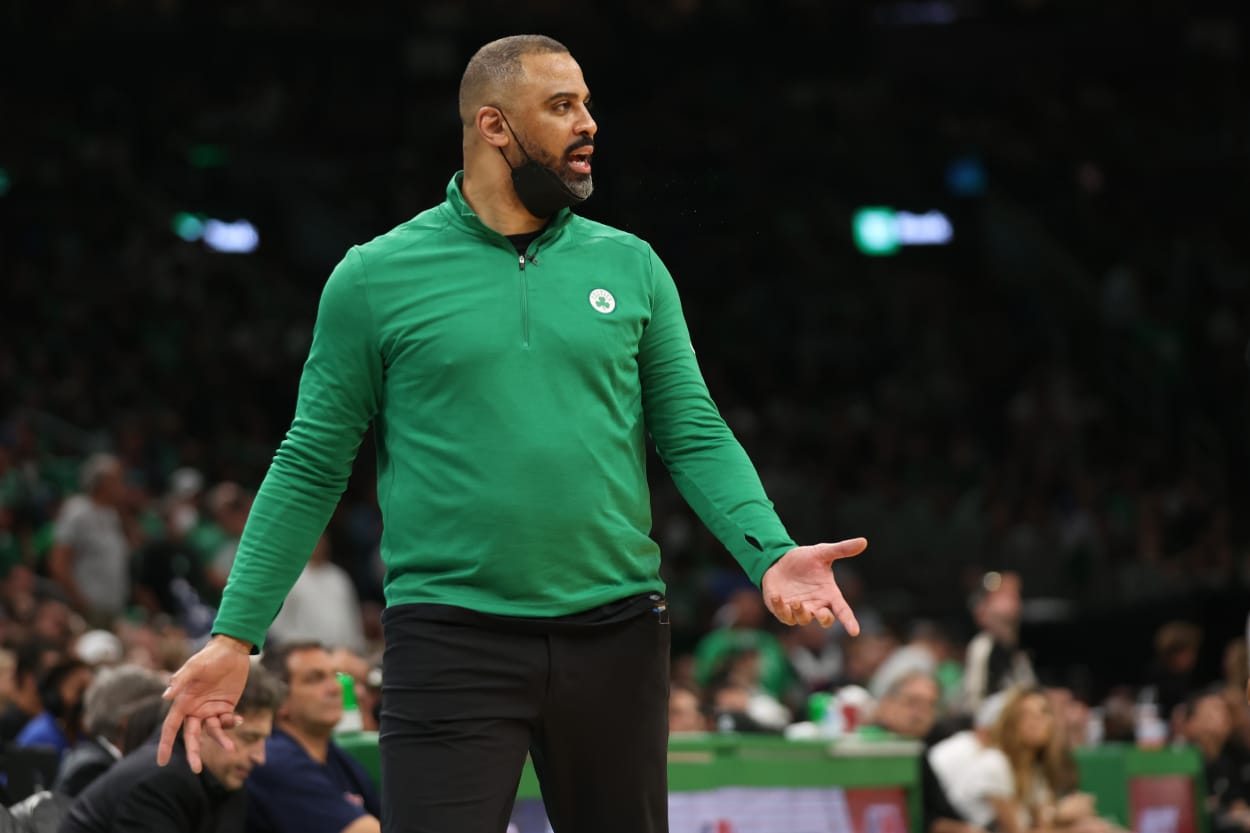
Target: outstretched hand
(800, 587)
(204, 693)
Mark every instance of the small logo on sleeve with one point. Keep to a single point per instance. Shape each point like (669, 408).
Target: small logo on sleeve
(602, 301)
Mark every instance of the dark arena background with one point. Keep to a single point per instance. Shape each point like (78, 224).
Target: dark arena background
(969, 278)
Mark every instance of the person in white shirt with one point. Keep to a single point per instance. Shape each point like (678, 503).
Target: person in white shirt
(322, 606)
(90, 556)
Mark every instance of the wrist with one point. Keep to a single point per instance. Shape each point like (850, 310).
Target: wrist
(231, 643)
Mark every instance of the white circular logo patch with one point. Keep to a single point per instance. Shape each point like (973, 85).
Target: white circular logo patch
(602, 301)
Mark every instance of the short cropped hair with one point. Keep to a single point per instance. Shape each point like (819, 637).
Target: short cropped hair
(276, 657)
(263, 692)
(497, 66)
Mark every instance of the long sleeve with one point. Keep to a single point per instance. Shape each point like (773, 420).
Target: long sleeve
(708, 464)
(339, 393)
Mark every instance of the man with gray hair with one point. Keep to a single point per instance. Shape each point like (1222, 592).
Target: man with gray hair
(109, 702)
(90, 556)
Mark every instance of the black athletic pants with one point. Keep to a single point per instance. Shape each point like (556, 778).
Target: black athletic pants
(462, 704)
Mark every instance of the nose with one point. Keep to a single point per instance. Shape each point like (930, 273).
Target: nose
(586, 125)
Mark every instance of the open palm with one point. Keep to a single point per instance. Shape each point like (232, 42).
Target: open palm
(800, 586)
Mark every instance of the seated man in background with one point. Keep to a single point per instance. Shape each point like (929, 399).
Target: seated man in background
(110, 700)
(908, 709)
(309, 784)
(138, 794)
(59, 725)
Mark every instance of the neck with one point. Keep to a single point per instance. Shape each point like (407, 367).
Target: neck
(314, 741)
(495, 202)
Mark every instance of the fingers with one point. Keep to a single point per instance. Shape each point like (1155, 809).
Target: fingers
(169, 731)
(217, 732)
(800, 613)
(846, 616)
(781, 610)
(191, 737)
(849, 548)
(825, 617)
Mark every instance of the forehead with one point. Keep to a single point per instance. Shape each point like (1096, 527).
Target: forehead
(309, 659)
(550, 73)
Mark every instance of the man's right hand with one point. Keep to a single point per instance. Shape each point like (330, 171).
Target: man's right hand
(204, 693)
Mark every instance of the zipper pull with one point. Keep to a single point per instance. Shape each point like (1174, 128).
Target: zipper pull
(521, 262)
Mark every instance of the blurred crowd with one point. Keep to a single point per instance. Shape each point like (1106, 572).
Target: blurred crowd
(1058, 398)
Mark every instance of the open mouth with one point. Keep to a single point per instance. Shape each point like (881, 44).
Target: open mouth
(579, 160)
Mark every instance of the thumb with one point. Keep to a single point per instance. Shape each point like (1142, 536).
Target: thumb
(842, 549)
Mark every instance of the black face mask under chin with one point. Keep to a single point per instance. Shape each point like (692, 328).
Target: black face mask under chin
(539, 188)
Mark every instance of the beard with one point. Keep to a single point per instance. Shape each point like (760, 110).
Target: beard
(582, 185)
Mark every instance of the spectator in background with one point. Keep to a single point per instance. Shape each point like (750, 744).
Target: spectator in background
(107, 706)
(24, 704)
(167, 559)
(90, 556)
(908, 709)
(308, 784)
(1026, 779)
(1205, 724)
(742, 668)
(1235, 676)
(685, 713)
(137, 794)
(928, 650)
(1171, 675)
(994, 660)
(229, 506)
(815, 656)
(322, 606)
(740, 626)
(957, 761)
(61, 690)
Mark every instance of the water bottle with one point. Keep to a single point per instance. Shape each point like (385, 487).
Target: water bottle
(351, 720)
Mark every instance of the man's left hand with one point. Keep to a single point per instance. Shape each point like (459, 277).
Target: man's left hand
(799, 587)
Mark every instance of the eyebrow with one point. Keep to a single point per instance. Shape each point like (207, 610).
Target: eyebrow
(554, 96)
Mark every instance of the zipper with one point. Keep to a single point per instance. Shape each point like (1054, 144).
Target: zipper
(525, 304)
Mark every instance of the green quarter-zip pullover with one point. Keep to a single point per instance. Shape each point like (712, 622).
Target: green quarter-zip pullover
(510, 396)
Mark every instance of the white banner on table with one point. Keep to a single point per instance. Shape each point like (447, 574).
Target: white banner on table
(742, 810)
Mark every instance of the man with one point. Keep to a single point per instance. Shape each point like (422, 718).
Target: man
(512, 357)
(24, 701)
(995, 661)
(908, 709)
(137, 794)
(59, 725)
(110, 700)
(308, 784)
(90, 555)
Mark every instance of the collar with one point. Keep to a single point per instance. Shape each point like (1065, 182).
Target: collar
(462, 215)
(108, 747)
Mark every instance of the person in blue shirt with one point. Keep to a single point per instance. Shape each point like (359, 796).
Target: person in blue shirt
(308, 784)
(61, 690)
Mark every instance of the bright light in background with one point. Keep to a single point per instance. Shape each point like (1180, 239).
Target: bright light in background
(239, 237)
(5, 182)
(875, 231)
(189, 227)
(880, 231)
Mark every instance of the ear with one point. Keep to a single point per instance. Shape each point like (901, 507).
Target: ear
(490, 126)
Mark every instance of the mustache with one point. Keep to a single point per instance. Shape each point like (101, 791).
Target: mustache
(584, 142)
